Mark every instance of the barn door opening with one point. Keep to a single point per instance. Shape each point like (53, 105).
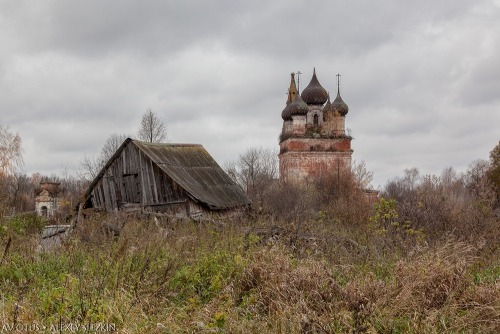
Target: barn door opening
(132, 188)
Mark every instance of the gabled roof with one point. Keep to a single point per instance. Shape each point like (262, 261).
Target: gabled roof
(193, 169)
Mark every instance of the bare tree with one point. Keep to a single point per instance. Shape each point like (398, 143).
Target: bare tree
(494, 170)
(91, 166)
(362, 176)
(451, 203)
(411, 177)
(478, 183)
(73, 185)
(254, 171)
(153, 129)
(11, 161)
(111, 146)
(10, 152)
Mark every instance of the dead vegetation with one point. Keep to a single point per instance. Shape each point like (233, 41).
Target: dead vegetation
(307, 261)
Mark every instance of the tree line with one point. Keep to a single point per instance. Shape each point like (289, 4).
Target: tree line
(409, 207)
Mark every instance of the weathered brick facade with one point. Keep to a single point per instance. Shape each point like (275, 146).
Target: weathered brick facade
(313, 139)
(47, 199)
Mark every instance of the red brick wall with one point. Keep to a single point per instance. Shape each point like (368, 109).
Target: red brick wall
(298, 166)
(312, 144)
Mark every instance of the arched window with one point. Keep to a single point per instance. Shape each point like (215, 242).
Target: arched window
(315, 120)
(44, 211)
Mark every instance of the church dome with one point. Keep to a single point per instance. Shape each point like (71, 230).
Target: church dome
(296, 107)
(339, 106)
(328, 105)
(314, 93)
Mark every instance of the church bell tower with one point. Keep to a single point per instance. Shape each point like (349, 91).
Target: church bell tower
(313, 141)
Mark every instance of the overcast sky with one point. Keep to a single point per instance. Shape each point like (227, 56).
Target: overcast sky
(421, 78)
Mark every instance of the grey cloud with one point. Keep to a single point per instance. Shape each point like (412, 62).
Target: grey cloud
(420, 78)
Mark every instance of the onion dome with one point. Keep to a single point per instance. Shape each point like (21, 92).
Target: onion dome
(296, 107)
(339, 106)
(314, 93)
(328, 105)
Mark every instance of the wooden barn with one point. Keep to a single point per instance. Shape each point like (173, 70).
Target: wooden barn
(180, 180)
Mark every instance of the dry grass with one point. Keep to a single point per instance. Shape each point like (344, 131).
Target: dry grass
(179, 277)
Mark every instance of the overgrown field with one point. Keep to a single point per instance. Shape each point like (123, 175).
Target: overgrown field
(252, 275)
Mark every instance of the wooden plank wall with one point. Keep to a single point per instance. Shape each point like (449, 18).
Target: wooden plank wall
(133, 178)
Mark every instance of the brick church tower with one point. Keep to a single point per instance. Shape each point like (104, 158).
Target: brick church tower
(313, 141)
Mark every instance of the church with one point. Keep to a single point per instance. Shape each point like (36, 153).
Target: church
(313, 140)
